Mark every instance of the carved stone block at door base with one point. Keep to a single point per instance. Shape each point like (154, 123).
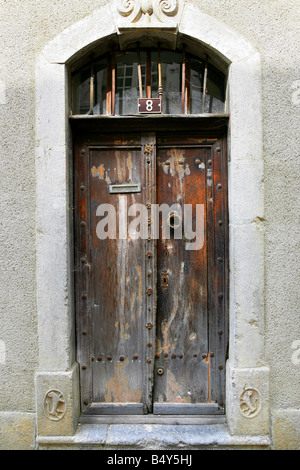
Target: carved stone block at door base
(248, 400)
(57, 401)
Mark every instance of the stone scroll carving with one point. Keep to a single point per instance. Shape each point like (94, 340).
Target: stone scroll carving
(148, 12)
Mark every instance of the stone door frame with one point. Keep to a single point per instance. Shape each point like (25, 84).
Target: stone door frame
(247, 381)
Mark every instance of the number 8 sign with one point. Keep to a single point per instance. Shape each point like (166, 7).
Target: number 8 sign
(150, 105)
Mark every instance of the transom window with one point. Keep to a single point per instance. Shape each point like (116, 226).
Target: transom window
(112, 85)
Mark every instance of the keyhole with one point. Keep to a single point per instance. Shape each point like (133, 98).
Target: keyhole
(164, 280)
(174, 220)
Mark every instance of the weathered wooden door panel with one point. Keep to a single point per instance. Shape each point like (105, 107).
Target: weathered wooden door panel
(190, 324)
(111, 279)
(182, 335)
(143, 339)
(116, 286)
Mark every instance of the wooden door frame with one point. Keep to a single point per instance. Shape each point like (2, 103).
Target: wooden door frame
(216, 127)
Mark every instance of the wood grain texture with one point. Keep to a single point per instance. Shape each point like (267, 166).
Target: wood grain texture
(120, 290)
(182, 326)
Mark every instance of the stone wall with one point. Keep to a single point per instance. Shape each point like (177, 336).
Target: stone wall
(272, 27)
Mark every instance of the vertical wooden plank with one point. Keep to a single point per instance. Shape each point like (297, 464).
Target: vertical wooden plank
(182, 337)
(82, 256)
(219, 267)
(204, 86)
(210, 354)
(150, 270)
(148, 75)
(160, 87)
(92, 90)
(188, 86)
(109, 87)
(183, 78)
(140, 72)
(113, 82)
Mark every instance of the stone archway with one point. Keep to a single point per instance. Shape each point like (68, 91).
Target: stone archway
(246, 368)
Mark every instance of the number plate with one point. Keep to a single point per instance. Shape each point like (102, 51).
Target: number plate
(150, 105)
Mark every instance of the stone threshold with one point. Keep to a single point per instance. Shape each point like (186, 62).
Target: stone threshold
(152, 436)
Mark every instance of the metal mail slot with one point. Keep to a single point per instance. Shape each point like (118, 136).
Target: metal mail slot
(124, 188)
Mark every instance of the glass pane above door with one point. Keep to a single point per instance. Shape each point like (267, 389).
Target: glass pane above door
(112, 85)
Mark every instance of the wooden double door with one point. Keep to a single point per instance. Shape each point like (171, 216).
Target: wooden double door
(151, 272)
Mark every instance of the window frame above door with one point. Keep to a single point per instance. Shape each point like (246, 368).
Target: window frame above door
(211, 82)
